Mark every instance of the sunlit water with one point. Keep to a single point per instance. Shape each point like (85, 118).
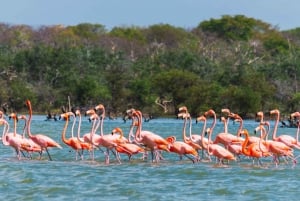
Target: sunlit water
(64, 178)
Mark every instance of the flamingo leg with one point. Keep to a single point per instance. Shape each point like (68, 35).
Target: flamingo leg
(116, 154)
(107, 156)
(48, 154)
(193, 159)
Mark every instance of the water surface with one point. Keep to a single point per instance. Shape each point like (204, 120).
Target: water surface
(64, 178)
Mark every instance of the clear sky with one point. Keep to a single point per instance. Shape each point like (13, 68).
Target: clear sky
(284, 14)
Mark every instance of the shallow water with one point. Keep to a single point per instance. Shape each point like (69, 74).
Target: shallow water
(64, 178)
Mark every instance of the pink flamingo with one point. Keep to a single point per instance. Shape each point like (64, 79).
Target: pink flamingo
(12, 139)
(84, 145)
(193, 140)
(278, 149)
(236, 148)
(127, 148)
(222, 138)
(286, 139)
(73, 142)
(91, 137)
(182, 149)
(253, 150)
(150, 140)
(108, 141)
(214, 149)
(219, 152)
(42, 140)
(33, 146)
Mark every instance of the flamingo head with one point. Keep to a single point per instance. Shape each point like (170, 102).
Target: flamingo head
(93, 117)
(28, 103)
(244, 132)
(260, 114)
(234, 116)
(183, 109)
(226, 111)
(130, 112)
(13, 116)
(99, 107)
(201, 118)
(295, 115)
(171, 139)
(90, 112)
(64, 116)
(183, 115)
(275, 111)
(210, 112)
(117, 130)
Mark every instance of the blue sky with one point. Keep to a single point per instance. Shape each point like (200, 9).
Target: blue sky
(284, 14)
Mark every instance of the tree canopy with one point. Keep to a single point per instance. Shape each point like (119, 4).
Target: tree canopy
(237, 62)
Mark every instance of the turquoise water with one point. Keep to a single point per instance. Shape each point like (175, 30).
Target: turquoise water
(64, 178)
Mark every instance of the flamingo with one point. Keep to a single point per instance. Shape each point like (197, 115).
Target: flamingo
(251, 139)
(150, 140)
(13, 139)
(278, 149)
(223, 138)
(215, 149)
(193, 140)
(126, 147)
(42, 140)
(73, 142)
(91, 137)
(33, 146)
(84, 145)
(286, 139)
(253, 150)
(236, 148)
(108, 141)
(182, 149)
(203, 144)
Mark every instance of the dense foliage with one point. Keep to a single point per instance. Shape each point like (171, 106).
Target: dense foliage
(236, 62)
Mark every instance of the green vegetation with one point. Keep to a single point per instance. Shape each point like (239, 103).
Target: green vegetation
(235, 62)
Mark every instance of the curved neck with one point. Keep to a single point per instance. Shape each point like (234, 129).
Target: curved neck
(209, 140)
(226, 125)
(184, 130)
(263, 133)
(73, 125)
(202, 135)
(130, 134)
(244, 145)
(63, 135)
(297, 134)
(29, 121)
(190, 126)
(213, 123)
(15, 126)
(240, 128)
(102, 117)
(138, 131)
(24, 128)
(79, 126)
(101, 125)
(275, 126)
(4, 133)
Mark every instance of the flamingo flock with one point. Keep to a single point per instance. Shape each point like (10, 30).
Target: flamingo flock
(224, 147)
